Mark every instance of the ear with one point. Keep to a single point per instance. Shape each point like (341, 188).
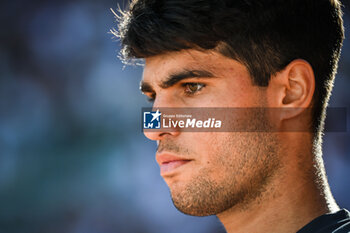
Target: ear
(292, 89)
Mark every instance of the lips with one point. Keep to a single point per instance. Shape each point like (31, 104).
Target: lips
(168, 163)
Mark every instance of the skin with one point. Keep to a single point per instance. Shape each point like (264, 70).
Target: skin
(272, 180)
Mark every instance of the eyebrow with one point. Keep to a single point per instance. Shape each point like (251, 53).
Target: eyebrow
(175, 78)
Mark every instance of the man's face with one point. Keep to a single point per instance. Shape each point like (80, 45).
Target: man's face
(209, 172)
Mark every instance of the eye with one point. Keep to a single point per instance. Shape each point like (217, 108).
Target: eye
(151, 100)
(192, 88)
(151, 97)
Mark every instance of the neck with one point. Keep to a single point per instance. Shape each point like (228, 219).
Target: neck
(297, 194)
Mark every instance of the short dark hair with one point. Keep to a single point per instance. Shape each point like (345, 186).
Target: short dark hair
(264, 35)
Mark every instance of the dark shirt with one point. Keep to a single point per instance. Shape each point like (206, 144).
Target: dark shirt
(338, 222)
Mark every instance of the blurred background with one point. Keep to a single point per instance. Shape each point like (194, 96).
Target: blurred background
(73, 158)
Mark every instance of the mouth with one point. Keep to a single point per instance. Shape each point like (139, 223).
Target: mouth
(170, 163)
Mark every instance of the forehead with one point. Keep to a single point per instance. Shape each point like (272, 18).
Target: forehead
(160, 66)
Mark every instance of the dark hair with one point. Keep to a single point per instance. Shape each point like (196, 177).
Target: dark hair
(264, 35)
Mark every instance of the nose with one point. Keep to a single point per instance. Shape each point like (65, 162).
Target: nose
(159, 134)
(163, 131)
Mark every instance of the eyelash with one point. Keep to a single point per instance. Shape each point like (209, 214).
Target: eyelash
(189, 92)
(152, 98)
(186, 91)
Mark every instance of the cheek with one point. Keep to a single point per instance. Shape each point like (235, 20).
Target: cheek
(216, 152)
(239, 96)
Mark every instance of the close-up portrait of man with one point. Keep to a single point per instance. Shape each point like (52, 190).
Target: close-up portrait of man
(175, 116)
(267, 54)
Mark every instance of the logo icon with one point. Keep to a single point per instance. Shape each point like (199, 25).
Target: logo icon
(151, 120)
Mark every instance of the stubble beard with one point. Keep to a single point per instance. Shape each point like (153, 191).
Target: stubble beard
(246, 162)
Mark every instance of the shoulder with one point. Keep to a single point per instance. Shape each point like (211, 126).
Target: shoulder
(338, 222)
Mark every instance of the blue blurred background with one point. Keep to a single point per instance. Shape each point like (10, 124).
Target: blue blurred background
(72, 156)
